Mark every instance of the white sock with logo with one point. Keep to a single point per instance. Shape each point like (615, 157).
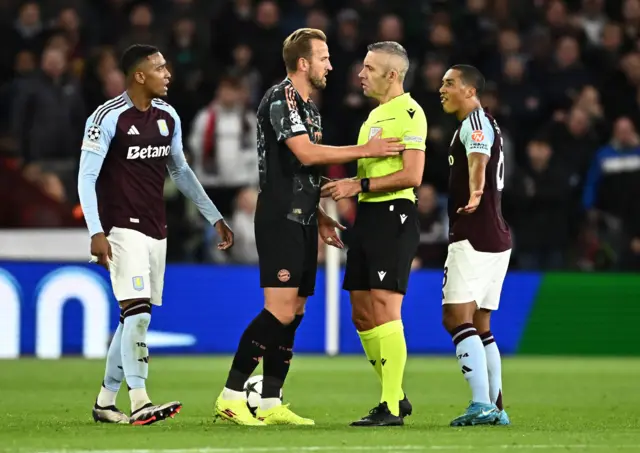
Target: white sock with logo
(473, 361)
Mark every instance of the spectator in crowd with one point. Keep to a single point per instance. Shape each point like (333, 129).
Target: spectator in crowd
(611, 186)
(49, 117)
(563, 83)
(140, 28)
(223, 144)
(242, 69)
(191, 72)
(540, 200)
(24, 66)
(244, 248)
(434, 228)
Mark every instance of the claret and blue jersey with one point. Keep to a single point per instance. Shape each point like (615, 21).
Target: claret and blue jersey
(485, 229)
(122, 170)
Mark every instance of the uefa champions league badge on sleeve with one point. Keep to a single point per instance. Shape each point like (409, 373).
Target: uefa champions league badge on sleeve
(93, 133)
(138, 283)
(164, 129)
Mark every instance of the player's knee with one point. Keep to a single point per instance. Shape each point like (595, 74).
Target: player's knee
(131, 308)
(449, 322)
(283, 312)
(285, 317)
(454, 316)
(300, 306)
(482, 320)
(283, 303)
(139, 313)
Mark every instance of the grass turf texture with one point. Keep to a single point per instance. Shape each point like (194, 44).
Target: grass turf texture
(555, 404)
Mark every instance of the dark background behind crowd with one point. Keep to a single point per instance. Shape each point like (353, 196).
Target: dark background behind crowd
(563, 83)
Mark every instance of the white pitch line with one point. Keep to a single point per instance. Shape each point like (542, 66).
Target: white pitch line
(345, 448)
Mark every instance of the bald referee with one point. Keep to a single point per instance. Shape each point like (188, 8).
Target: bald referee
(386, 232)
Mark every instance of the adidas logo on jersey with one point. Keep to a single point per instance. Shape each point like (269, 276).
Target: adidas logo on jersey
(133, 131)
(148, 152)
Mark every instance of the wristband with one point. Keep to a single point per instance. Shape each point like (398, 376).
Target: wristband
(364, 185)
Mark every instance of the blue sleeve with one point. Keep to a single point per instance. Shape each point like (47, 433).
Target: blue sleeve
(98, 135)
(476, 134)
(185, 178)
(591, 182)
(95, 145)
(90, 165)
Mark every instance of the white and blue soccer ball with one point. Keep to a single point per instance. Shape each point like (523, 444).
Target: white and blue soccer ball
(253, 391)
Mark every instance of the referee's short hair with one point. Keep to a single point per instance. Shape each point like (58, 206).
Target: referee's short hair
(471, 76)
(133, 55)
(393, 48)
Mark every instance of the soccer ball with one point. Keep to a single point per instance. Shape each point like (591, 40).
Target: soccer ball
(253, 390)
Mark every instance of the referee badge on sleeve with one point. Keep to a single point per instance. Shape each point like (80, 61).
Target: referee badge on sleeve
(373, 131)
(164, 129)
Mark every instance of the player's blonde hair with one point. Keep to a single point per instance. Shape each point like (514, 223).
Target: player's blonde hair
(298, 45)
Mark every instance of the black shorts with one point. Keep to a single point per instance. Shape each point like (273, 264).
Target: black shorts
(287, 254)
(383, 243)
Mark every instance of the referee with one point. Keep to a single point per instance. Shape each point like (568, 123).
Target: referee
(386, 232)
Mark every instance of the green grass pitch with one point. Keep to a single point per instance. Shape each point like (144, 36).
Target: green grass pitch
(555, 405)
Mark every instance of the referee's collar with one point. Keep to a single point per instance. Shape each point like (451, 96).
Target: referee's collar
(127, 99)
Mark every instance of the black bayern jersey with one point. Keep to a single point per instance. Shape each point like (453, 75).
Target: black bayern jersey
(287, 188)
(485, 229)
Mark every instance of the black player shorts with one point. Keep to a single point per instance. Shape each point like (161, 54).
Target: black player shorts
(383, 243)
(287, 254)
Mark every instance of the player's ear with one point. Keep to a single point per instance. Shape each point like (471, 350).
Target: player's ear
(303, 64)
(139, 77)
(471, 92)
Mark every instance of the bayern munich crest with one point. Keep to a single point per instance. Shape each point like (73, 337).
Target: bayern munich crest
(164, 129)
(93, 133)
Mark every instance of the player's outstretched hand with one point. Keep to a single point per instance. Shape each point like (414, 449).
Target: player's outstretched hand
(225, 234)
(101, 249)
(342, 188)
(383, 147)
(472, 205)
(327, 228)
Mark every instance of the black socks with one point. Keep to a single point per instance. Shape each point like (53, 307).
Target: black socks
(258, 337)
(277, 360)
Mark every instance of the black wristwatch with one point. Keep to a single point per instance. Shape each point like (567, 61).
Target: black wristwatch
(364, 184)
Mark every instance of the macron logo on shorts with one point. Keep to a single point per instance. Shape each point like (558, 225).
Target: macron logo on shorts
(381, 274)
(148, 152)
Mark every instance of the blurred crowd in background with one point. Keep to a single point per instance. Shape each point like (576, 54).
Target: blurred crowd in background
(563, 83)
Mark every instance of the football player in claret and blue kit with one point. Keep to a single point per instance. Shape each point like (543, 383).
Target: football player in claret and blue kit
(129, 142)
(479, 244)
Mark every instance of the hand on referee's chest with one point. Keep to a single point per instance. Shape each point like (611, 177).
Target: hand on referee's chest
(225, 234)
(343, 188)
